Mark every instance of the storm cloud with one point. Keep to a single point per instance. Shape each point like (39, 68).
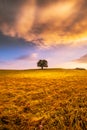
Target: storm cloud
(52, 21)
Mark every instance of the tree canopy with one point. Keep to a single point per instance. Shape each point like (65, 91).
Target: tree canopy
(42, 63)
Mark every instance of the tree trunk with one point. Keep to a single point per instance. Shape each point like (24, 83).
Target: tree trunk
(42, 67)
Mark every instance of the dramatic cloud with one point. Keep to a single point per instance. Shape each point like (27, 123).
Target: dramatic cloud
(82, 59)
(16, 17)
(46, 22)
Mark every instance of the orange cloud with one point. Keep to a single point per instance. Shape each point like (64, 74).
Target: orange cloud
(61, 21)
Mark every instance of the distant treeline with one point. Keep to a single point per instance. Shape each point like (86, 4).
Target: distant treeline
(80, 68)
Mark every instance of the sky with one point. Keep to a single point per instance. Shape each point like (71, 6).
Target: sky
(55, 30)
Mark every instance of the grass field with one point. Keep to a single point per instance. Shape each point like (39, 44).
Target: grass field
(43, 100)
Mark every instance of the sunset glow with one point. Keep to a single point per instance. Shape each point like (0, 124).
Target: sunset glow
(55, 30)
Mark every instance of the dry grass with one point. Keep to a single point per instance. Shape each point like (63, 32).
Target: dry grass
(43, 100)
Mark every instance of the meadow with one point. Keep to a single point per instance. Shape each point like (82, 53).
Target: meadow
(53, 99)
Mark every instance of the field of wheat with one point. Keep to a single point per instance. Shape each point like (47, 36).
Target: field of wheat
(43, 100)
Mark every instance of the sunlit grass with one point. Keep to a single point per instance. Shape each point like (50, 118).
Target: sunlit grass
(43, 99)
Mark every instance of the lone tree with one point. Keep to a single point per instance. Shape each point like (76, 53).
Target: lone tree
(42, 63)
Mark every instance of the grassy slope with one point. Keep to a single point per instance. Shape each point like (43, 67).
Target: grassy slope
(48, 100)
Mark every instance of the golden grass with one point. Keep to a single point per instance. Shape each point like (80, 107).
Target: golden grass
(43, 100)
